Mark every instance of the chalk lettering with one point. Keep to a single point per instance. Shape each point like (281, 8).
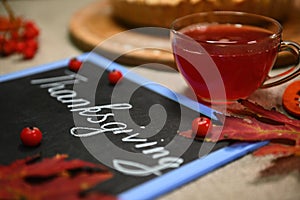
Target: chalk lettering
(148, 144)
(60, 84)
(113, 126)
(56, 87)
(123, 131)
(133, 138)
(107, 127)
(138, 169)
(85, 131)
(52, 79)
(101, 114)
(159, 152)
(90, 111)
(58, 79)
(63, 94)
(76, 102)
(104, 117)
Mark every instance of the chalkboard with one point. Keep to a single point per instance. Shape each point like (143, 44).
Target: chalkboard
(132, 127)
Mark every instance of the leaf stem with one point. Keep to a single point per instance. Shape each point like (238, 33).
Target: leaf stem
(8, 10)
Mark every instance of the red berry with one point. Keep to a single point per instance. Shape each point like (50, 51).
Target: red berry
(20, 46)
(2, 39)
(18, 36)
(30, 30)
(4, 23)
(114, 76)
(29, 24)
(30, 33)
(28, 53)
(31, 43)
(14, 35)
(74, 64)
(200, 126)
(31, 136)
(9, 47)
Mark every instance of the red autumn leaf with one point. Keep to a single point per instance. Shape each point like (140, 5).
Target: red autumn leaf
(270, 114)
(51, 166)
(251, 129)
(83, 181)
(51, 178)
(254, 123)
(278, 149)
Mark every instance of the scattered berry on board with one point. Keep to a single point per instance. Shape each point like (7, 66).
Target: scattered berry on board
(74, 64)
(31, 136)
(114, 76)
(200, 126)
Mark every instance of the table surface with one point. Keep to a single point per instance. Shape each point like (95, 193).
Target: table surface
(237, 180)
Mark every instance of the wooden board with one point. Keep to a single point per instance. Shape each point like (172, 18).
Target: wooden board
(93, 26)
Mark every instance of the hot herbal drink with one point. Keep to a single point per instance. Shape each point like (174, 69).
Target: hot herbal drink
(247, 52)
(225, 56)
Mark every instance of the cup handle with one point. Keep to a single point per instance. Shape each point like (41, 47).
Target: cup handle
(292, 72)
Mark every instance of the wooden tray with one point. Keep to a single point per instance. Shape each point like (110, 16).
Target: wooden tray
(93, 26)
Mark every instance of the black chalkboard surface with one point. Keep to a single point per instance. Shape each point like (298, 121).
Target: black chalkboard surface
(131, 127)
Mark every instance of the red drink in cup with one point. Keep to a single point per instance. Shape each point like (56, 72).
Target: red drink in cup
(225, 56)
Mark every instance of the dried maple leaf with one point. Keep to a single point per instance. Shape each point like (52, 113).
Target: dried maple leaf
(278, 149)
(272, 114)
(51, 178)
(251, 129)
(253, 123)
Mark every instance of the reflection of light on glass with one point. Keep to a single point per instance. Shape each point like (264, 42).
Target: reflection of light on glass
(238, 25)
(194, 52)
(221, 41)
(200, 27)
(274, 36)
(252, 42)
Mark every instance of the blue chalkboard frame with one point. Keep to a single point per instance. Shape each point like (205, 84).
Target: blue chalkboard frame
(174, 178)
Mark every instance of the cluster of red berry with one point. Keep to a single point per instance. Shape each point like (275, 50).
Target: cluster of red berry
(18, 36)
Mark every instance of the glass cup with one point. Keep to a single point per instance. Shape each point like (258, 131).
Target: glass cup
(225, 56)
